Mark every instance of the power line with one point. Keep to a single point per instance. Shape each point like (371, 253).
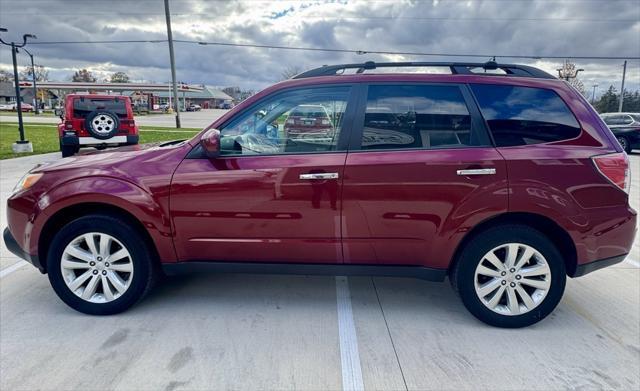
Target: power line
(335, 50)
(342, 17)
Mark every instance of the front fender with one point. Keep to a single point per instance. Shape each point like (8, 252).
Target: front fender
(151, 211)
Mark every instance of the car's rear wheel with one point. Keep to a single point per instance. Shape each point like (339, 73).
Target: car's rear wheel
(624, 143)
(69, 150)
(99, 265)
(510, 276)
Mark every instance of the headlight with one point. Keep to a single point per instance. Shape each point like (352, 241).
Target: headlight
(26, 182)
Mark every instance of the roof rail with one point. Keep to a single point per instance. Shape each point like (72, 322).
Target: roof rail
(457, 68)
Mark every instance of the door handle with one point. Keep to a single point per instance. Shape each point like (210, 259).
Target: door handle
(319, 175)
(477, 171)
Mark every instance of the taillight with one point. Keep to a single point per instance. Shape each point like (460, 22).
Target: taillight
(615, 167)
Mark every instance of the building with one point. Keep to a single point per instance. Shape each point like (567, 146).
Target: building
(8, 94)
(208, 98)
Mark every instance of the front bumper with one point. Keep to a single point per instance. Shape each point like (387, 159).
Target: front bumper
(91, 141)
(15, 248)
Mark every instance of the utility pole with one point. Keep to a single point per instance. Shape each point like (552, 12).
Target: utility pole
(593, 97)
(624, 73)
(176, 102)
(35, 89)
(21, 145)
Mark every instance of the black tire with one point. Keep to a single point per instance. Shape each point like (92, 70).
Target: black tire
(143, 275)
(624, 143)
(463, 274)
(96, 118)
(69, 150)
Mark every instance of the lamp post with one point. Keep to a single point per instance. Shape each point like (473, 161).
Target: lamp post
(21, 145)
(593, 97)
(35, 88)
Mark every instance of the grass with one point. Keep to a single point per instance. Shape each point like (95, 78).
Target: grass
(45, 137)
(28, 114)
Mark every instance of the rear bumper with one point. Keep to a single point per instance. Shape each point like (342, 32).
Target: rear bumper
(15, 248)
(116, 140)
(587, 268)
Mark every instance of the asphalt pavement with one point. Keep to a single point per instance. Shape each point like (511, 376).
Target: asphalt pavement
(254, 332)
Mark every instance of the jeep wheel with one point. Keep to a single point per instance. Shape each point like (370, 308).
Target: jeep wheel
(69, 150)
(102, 124)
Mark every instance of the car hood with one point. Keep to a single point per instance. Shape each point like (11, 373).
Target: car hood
(132, 158)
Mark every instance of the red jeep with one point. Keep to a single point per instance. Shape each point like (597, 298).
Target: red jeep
(98, 121)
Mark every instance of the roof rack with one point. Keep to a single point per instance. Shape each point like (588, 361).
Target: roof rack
(457, 68)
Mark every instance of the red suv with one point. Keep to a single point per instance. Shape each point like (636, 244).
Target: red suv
(504, 183)
(99, 121)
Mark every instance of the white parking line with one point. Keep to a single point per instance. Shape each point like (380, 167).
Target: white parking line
(349, 355)
(10, 269)
(632, 262)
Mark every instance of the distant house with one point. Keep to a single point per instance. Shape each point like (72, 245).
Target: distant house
(8, 94)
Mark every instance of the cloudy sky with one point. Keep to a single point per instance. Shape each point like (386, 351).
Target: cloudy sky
(497, 27)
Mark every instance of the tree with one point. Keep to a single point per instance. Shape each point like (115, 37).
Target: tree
(119, 77)
(83, 76)
(610, 100)
(5, 76)
(290, 71)
(42, 74)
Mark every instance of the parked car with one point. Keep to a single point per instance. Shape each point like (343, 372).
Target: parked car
(626, 128)
(26, 107)
(309, 122)
(100, 121)
(225, 105)
(506, 184)
(194, 107)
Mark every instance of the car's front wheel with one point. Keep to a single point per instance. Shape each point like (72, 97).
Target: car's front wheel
(99, 265)
(510, 276)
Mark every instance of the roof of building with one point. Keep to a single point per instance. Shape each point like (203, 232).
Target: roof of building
(7, 88)
(207, 92)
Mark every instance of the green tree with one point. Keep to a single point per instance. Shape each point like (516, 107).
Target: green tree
(83, 76)
(119, 77)
(610, 100)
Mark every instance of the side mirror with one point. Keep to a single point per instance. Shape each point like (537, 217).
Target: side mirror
(210, 142)
(58, 112)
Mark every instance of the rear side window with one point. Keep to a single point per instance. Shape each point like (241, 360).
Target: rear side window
(82, 107)
(416, 117)
(525, 115)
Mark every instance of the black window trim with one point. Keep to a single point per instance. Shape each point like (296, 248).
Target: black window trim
(343, 139)
(477, 121)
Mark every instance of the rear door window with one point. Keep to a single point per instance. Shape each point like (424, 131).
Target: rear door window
(417, 117)
(525, 115)
(82, 107)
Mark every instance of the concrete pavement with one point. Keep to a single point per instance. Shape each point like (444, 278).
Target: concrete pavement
(283, 332)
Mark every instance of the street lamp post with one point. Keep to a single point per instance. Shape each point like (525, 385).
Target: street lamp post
(593, 97)
(35, 89)
(21, 145)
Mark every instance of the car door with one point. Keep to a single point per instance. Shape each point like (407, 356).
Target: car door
(274, 193)
(420, 173)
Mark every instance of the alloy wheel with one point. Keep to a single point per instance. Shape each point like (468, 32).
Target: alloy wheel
(512, 279)
(97, 267)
